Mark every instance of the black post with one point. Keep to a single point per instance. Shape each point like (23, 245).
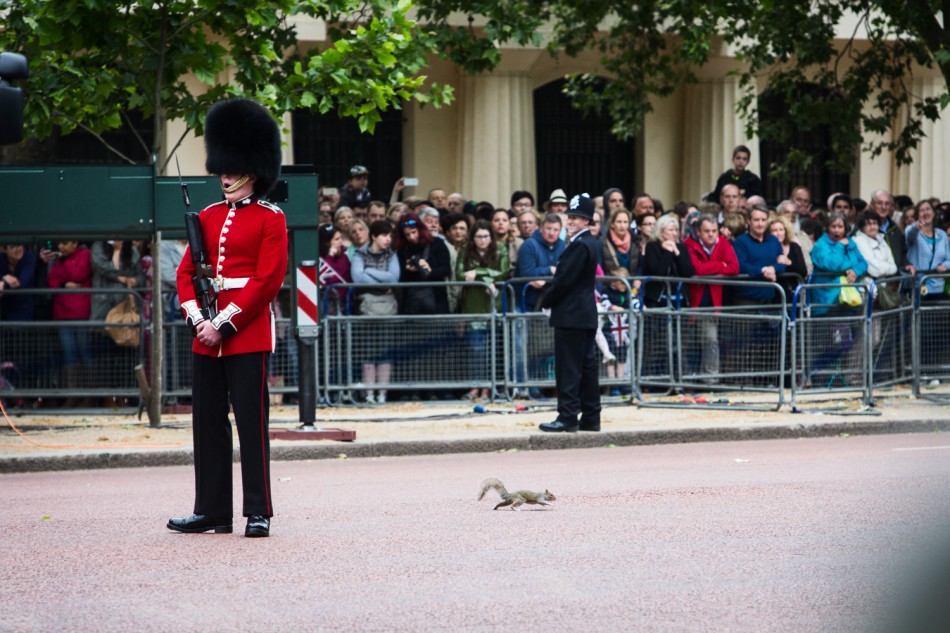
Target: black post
(307, 380)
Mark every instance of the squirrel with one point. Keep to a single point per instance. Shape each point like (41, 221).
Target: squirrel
(517, 498)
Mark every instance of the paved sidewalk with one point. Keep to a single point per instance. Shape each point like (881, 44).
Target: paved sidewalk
(98, 439)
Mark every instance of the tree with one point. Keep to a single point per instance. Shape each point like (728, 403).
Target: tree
(650, 47)
(95, 62)
(865, 95)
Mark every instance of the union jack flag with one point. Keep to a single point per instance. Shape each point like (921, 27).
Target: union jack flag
(619, 329)
(326, 274)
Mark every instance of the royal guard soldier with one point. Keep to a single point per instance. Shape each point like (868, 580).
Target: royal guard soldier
(245, 245)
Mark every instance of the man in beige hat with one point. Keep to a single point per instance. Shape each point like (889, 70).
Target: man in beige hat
(557, 202)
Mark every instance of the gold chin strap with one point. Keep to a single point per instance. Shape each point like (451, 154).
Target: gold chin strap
(240, 182)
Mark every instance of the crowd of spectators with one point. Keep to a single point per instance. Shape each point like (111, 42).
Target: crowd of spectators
(733, 232)
(410, 245)
(85, 276)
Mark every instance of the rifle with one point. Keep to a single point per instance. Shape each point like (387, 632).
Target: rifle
(205, 290)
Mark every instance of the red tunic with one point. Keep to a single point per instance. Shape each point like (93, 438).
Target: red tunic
(246, 240)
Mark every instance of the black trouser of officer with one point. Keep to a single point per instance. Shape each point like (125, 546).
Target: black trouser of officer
(238, 381)
(577, 372)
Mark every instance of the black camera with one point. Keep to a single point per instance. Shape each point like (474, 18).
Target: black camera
(13, 66)
(414, 261)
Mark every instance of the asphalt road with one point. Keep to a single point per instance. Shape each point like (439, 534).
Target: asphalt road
(786, 535)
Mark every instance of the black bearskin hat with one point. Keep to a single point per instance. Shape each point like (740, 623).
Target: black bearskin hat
(241, 137)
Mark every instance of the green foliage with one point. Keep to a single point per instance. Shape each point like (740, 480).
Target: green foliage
(93, 62)
(500, 22)
(856, 85)
(862, 93)
(374, 63)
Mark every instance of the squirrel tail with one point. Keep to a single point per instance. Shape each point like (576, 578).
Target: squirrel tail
(493, 483)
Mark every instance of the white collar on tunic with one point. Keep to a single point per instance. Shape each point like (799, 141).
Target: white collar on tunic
(579, 234)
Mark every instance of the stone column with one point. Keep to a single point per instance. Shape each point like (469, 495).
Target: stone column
(925, 176)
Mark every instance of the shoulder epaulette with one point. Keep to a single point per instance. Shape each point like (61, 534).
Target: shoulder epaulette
(213, 204)
(270, 205)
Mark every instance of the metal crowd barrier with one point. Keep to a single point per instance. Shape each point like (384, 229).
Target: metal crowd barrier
(436, 355)
(283, 372)
(33, 372)
(732, 348)
(830, 344)
(762, 350)
(931, 339)
(890, 349)
(33, 354)
(529, 358)
(644, 339)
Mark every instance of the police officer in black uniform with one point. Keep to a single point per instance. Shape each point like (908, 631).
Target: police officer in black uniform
(570, 296)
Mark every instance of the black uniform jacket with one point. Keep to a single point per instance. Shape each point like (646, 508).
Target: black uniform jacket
(570, 295)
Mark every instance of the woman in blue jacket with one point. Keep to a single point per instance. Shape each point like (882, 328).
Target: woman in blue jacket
(834, 256)
(836, 347)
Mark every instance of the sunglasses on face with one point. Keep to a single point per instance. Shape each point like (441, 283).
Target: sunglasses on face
(409, 223)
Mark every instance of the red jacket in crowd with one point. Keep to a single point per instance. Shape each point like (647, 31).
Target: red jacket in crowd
(75, 267)
(722, 261)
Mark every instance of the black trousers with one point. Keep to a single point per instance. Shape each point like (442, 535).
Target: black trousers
(219, 383)
(577, 372)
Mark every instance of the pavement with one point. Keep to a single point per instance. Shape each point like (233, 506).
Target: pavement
(32, 441)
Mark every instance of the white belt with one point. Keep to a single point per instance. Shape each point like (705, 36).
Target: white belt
(230, 283)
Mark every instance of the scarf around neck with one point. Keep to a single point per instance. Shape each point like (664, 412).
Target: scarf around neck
(622, 244)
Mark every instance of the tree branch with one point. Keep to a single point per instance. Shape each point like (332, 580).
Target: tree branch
(98, 137)
(188, 23)
(847, 48)
(174, 148)
(124, 114)
(158, 113)
(920, 15)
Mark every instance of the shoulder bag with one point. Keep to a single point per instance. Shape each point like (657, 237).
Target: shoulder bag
(125, 332)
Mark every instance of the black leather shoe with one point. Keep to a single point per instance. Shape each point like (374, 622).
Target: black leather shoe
(201, 523)
(558, 427)
(590, 426)
(257, 526)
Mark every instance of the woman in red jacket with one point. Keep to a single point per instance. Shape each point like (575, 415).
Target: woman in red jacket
(712, 255)
(71, 268)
